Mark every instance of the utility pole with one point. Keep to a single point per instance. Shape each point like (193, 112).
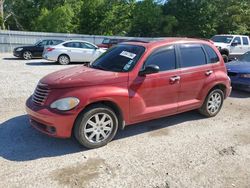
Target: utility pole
(1, 13)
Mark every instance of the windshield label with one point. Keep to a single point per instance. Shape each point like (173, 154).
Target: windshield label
(128, 65)
(128, 54)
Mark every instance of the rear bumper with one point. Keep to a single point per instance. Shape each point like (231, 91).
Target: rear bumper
(49, 57)
(48, 122)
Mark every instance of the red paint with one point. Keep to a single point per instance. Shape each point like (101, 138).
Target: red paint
(139, 98)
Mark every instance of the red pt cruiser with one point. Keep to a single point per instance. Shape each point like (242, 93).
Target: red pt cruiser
(130, 83)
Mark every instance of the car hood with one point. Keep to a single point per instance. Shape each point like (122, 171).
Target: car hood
(238, 66)
(82, 76)
(222, 45)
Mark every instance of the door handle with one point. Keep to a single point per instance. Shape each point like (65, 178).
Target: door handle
(175, 79)
(208, 73)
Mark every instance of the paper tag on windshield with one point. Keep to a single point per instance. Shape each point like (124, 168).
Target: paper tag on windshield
(128, 54)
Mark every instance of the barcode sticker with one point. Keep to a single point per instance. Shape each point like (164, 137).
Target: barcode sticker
(128, 54)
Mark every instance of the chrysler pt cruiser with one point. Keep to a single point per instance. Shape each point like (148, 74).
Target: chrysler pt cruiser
(130, 83)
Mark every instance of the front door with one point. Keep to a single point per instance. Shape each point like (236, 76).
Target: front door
(236, 47)
(155, 95)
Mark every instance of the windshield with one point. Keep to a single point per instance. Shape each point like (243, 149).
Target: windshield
(121, 58)
(223, 39)
(245, 57)
(38, 42)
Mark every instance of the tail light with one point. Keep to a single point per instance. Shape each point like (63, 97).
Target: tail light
(50, 49)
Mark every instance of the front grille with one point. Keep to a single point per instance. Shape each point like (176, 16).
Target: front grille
(232, 74)
(40, 95)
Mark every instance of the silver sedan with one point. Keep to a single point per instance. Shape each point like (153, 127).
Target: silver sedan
(73, 51)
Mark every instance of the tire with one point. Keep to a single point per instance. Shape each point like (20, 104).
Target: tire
(92, 133)
(213, 103)
(225, 58)
(63, 59)
(27, 55)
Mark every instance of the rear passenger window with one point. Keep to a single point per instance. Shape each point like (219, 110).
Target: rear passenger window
(164, 58)
(212, 56)
(245, 41)
(192, 55)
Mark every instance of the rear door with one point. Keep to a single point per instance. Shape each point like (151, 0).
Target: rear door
(74, 51)
(156, 95)
(246, 45)
(195, 72)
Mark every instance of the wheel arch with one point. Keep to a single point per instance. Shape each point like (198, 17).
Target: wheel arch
(117, 110)
(220, 86)
(63, 54)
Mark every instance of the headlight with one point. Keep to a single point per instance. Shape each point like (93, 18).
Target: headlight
(245, 75)
(65, 104)
(19, 49)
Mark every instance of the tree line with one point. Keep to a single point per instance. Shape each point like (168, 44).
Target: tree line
(145, 18)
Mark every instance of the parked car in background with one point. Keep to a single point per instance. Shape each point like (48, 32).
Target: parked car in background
(36, 50)
(239, 72)
(231, 46)
(108, 43)
(73, 51)
(130, 83)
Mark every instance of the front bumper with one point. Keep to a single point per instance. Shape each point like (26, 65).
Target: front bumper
(17, 53)
(49, 122)
(241, 86)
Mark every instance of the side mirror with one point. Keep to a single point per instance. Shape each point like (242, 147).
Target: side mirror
(149, 69)
(234, 44)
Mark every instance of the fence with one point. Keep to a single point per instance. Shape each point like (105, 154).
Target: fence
(11, 39)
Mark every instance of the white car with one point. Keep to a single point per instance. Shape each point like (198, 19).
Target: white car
(73, 51)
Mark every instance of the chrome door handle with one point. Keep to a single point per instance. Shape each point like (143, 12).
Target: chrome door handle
(175, 78)
(208, 73)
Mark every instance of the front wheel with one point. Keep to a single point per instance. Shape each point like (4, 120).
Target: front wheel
(96, 127)
(27, 55)
(213, 103)
(225, 58)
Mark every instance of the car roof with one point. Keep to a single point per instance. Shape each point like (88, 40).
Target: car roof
(166, 41)
(77, 41)
(232, 35)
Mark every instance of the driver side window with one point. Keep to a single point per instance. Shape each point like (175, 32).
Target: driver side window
(165, 58)
(237, 40)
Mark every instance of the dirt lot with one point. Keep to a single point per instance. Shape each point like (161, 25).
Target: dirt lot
(185, 150)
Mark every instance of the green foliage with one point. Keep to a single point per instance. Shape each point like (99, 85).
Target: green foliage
(147, 18)
(57, 20)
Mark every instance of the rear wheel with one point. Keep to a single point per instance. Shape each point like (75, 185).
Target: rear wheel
(63, 60)
(27, 55)
(213, 103)
(96, 127)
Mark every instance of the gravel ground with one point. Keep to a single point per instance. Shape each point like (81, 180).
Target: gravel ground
(185, 150)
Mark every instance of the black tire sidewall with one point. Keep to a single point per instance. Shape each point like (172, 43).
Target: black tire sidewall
(225, 58)
(82, 120)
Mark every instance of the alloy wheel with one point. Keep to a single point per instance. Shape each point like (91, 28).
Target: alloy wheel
(64, 60)
(98, 127)
(214, 103)
(27, 55)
